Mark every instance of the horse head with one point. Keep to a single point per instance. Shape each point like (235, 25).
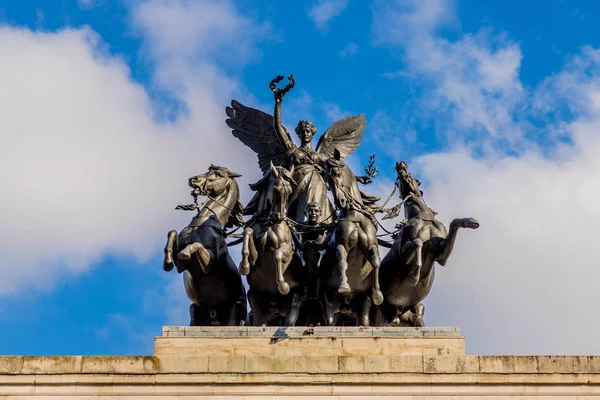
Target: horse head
(406, 184)
(220, 186)
(212, 183)
(342, 183)
(272, 193)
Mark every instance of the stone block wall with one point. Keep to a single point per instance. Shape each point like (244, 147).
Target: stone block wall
(295, 363)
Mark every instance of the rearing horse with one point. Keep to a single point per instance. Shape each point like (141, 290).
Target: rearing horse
(350, 264)
(210, 277)
(407, 270)
(275, 272)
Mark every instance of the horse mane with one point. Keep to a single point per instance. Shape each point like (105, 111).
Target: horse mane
(410, 182)
(233, 197)
(252, 206)
(236, 216)
(370, 202)
(258, 187)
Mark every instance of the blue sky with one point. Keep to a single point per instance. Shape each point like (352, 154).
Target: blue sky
(108, 106)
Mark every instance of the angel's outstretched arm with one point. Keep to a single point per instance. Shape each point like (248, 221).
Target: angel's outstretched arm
(365, 180)
(279, 94)
(279, 129)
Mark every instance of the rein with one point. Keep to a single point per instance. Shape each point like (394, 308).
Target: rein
(358, 206)
(389, 197)
(264, 216)
(196, 206)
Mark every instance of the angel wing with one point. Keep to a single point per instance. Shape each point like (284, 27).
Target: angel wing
(344, 135)
(255, 129)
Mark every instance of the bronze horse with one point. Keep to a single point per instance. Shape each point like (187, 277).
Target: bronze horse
(349, 268)
(275, 272)
(407, 271)
(210, 277)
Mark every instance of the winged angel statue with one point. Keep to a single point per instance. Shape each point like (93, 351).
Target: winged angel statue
(271, 142)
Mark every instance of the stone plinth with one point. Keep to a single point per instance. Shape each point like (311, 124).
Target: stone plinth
(320, 363)
(308, 342)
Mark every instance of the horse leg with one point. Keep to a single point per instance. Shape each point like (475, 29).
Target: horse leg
(415, 274)
(275, 243)
(407, 252)
(417, 315)
(197, 316)
(282, 285)
(342, 255)
(365, 311)
(329, 308)
(249, 253)
(375, 263)
(378, 317)
(413, 316)
(239, 310)
(293, 309)
(258, 318)
(395, 320)
(448, 243)
(170, 247)
(231, 317)
(203, 255)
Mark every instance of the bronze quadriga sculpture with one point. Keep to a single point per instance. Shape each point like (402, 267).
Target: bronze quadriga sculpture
(407, 271)
(200, 251)
(350, 265)
(275, 272)
(296, 245)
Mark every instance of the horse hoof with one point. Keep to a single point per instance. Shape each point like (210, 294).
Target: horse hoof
(168, 265)
(377, 297)
(471, 223)
(183, 255)
(344, 288)
(365, 321)
(244, 269)
(283, 287)
(419, 323)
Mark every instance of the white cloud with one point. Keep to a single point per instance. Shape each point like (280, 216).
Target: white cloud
(524, 283)
(325, 10)
(333, 112)
(349, 50)
(87, 169)
(473, 80)
(195, 30)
